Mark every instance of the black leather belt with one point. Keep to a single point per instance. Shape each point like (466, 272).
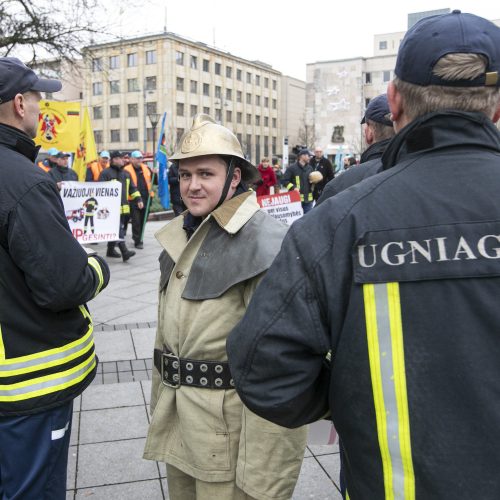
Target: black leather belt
(175, 371)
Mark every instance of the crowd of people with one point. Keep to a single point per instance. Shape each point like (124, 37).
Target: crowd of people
(376, 310)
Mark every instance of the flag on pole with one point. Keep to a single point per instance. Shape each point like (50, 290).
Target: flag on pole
(162, 161)
(58, 125)
(86, 150)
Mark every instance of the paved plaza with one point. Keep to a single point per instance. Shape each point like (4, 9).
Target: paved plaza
(111, 417)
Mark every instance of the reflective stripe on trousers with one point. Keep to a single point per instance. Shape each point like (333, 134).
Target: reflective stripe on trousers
(387, 369)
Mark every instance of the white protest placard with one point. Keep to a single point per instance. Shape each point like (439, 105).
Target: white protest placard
(92, 210)
(285, 207)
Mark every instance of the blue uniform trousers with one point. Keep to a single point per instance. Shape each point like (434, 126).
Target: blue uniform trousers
(34, 455)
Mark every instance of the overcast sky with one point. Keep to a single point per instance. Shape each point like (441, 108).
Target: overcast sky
(280, 33)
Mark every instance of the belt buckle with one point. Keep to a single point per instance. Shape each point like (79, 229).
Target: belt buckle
(172, 359)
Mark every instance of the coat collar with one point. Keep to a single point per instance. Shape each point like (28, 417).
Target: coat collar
(19, 141)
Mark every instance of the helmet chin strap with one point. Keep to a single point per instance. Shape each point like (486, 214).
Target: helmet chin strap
(227, 184)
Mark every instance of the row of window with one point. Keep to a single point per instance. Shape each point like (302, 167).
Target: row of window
(193, 64)
(133, 112)
(132, 85)
(386, 77)
(114, 61)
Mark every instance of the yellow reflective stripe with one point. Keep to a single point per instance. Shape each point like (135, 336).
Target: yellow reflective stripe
(41, 386)
(376, 377)
(124, 209)
(135, 194)
(97, 267)
(347, 495)
(396, 326)
(289, 186)
(297, 181)
(2, 348)
(85, 313)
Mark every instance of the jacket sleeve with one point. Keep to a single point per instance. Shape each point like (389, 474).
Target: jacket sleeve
(57, 270)
(277, 351)
(133, 191)
(328, 170)
(288, 180)
(271, 180)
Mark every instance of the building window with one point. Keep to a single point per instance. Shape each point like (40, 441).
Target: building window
(180, 109)
(239, 137)
(193, 110)
(132, 85)
(98, 136)
(133, 135)
(266, 82)
(249, 98)
(266, 121)
(368, 78)
(132, 60)
(274, 104)
(193, 86)
(218, 115)
(249, 144)
(97, 88)
(206, 110)
(266, 147)
(257, 79)
(218, 68)
(257, 120)
(229, 116)
(115, 135)
(382, 45)
(239, 116)
(238, 75)
(132, 110)
(96, 64)
(206, 89)
(150, 82)
(206, 65)
(273, 150)
(150, 108)
(179, 85)
(238, 96)
(367, 101)
(179, 58)
(218, 92)
(249, 77)
(97, 112)
(150, 56)
(257, 100)
(149, 134)
(193, 62)
(275, 84)
(266, 102)
(178, 134)
(229, 94)
(114, 111)
(386, 76)
(274, 122)
(229, 72)
(114, 87)
(249, 119)
(114, 62)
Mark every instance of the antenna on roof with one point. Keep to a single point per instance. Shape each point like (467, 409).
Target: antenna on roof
(165, 25)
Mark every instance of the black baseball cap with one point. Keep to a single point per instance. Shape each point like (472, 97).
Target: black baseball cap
(116, 154)
(434, 37)
(378, 111)
(17, 78)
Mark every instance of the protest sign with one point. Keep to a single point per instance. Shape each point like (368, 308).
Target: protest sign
(92, 210)
(285, 207)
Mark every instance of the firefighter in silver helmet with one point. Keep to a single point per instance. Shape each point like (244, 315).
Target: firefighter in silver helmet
(214, 255)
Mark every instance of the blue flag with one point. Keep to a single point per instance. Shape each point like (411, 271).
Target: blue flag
(162, 161)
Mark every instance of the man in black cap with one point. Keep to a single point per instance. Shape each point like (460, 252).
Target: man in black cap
(47, 353)
(296, 178)
(378, 131)
(129, 190)
(61, 172)
(400, 287)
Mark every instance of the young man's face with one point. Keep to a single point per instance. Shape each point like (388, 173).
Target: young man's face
(202, 181)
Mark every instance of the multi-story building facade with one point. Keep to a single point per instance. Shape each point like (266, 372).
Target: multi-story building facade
(337, 92)
(127, 80)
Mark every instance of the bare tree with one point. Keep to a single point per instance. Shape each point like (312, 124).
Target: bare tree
(307, 134)
(39, 28)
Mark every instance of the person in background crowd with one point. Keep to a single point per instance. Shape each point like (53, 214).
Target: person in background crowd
(50, 161)
(296, 178)
(278, 173)
(129, 190)
(141, 176)
(322, 165)
(95, 168)
(175, 193)
(401, 286)
(267, 178)
(214, 255)
(378, 132)
(47, 354)
(61, 172)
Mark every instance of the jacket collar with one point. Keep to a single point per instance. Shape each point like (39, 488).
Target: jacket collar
(374, 151)
(439, 130)
(16, 139)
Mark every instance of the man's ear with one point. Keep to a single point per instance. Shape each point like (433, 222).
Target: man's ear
(395, 101)
(236, 177)
(368, 131)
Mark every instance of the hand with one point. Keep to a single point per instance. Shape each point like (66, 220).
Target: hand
(140, 205)
(59, 185)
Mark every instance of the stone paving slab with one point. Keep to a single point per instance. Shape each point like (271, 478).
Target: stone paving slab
(111, 346)
(99, 397)
(147, 490)
(144, 340)
(314, 483)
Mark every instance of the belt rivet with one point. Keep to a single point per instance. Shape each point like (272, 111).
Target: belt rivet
(189, 366)
(219, 368)
(203, 381)
(218, 382)
(189, 379)
(203, 367)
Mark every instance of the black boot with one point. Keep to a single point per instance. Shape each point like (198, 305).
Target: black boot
(111, 251)
(126, 253)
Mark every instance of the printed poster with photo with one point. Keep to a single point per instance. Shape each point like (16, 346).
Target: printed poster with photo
(92, 210)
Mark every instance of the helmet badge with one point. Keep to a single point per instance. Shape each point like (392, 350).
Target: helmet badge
(191, 142)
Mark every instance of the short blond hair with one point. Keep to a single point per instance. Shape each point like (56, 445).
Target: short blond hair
(419, 100)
